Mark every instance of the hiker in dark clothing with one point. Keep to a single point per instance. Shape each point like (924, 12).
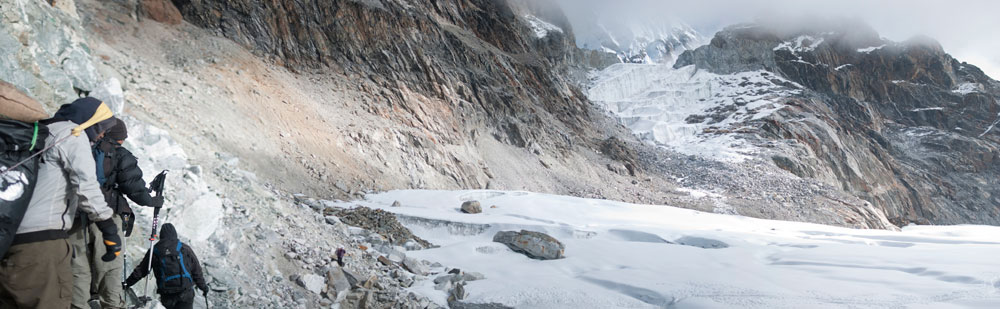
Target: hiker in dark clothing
(119, 175)
(122, 175)
(176, 269)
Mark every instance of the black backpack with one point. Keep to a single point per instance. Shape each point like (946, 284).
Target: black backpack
(106, 160)
(19, 141)
(173, 275)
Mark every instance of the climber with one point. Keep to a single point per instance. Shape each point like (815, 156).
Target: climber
(176, 269)
(119, 176)
(35, 272)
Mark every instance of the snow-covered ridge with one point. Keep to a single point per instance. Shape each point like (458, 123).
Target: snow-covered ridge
(688, 110)
(541, 27)
(621, 255)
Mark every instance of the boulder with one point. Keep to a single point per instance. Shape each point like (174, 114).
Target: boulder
(533, 244)
(162, 11)
(458, 293)
(337, 281)
(472, 207)
(311, 282)
(444, 278)
(472, 276)
(415, 266)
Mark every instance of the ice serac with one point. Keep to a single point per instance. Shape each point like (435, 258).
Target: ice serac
(901, 124)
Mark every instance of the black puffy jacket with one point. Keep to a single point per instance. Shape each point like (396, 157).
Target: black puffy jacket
(124, 178)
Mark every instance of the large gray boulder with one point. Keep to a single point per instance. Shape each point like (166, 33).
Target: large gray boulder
(311, 282)
(337, 281)
(472, 207)
(415, 266)
(533, 244)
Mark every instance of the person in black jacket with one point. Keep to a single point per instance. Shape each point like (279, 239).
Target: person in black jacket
(119, 176)
(176, 269)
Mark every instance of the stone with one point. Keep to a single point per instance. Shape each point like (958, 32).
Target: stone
(337, 281)
(415, 266)
(311, 282)
(472, 276)
(444, 278)
(397, 204)
(458, 293)
(443, 285)
(535, 245)
(162, 11)
(472, 207)
(384, 260)
(332, 220)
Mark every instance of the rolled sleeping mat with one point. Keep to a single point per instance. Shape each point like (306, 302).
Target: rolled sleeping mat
(17, 105)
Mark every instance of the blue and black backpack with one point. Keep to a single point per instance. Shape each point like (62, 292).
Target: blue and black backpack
(172, 274)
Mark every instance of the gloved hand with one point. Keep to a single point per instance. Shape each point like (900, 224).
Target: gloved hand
(204, 291)
(157, 202)
(113, 243)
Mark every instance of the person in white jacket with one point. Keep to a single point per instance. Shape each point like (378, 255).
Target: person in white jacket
(35, 272)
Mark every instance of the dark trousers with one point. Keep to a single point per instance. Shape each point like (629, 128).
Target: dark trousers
(182, 300)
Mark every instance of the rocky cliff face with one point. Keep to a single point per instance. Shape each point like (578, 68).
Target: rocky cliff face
(903, 125)
(477, 56)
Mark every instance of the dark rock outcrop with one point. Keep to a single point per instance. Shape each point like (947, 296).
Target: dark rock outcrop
(902, 125)
(533, 244)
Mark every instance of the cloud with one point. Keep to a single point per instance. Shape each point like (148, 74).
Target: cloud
(964, 27)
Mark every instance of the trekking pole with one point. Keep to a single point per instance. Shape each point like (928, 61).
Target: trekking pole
(124, 262)
(16, 165)
(156, 186)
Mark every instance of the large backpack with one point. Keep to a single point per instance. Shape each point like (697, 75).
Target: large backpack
(173, 274)
(18, 142)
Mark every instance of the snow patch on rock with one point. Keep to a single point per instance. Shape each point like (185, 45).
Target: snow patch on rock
(803, 43)
(967, 88)
(868, 50)
(540, 27)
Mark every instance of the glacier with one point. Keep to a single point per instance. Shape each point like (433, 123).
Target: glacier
(691, 111)
(621, 255)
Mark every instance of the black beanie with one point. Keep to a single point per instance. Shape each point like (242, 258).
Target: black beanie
(118, 132)
(167, 231)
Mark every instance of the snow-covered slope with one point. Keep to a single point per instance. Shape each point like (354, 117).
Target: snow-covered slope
(622, 255)
(688, 110)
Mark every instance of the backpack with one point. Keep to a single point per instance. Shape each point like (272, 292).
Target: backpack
(104, 157)
(173, 274)
(106, 160)
(19, 141)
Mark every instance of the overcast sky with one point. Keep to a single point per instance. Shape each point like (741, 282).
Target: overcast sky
(964, 27)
